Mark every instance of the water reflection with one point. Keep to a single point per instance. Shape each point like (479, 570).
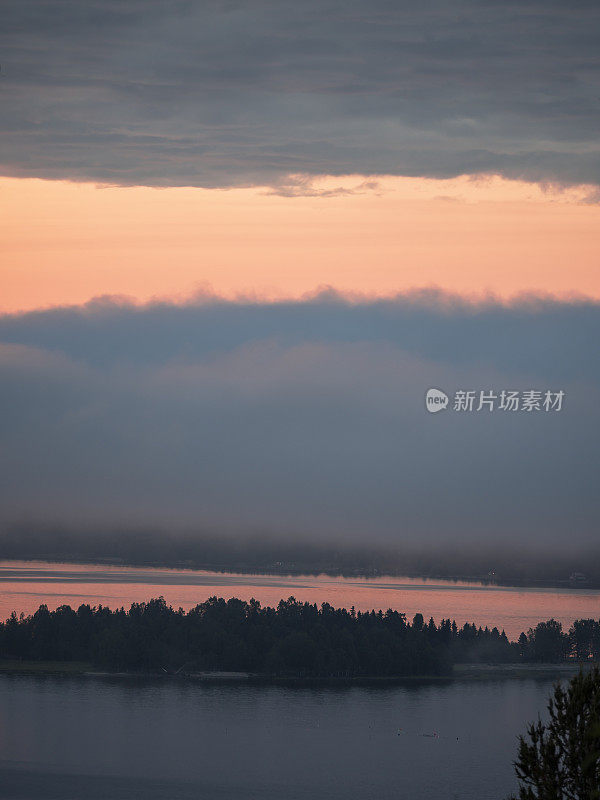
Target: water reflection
(24, 585)
(82, 737)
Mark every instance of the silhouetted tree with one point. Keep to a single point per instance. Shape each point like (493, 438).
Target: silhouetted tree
(585, 638)
(560, 759)
(547, 642)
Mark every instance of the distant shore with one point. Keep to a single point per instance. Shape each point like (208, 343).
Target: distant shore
(297, 570)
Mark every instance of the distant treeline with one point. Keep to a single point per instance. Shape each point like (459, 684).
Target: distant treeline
(294, 639)
(494, 563)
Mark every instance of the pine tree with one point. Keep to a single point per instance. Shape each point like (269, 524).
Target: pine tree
(560, 759)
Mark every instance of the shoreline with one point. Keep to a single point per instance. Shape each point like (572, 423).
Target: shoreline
(308, 571)
(460, 672)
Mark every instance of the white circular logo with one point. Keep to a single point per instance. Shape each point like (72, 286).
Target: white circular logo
(435, 400)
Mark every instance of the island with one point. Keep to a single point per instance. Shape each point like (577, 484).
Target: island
(294, 640)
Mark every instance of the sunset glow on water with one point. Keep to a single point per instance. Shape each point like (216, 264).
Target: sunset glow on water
(25, 585)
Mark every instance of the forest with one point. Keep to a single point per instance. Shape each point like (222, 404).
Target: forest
(292, 640)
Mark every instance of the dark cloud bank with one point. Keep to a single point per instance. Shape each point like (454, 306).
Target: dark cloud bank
(230, 93)
(303, 421)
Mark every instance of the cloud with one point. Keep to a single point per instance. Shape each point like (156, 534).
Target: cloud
(534, 334)
(222, 94)
(302, 418)
(305, 186)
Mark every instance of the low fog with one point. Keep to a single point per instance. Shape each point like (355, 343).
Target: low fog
(302, 420)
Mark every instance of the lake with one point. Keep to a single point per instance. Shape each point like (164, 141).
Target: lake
(82, 737)
(92, 739)
(25, 584)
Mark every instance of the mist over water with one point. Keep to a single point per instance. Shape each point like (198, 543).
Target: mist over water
(303, 420)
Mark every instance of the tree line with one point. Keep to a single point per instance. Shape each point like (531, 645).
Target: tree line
(293, 639)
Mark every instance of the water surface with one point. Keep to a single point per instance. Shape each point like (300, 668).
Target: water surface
(89, 738)
(24, 585)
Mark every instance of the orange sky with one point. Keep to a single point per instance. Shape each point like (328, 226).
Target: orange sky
(65, 242)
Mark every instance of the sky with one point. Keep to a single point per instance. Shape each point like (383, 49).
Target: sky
(65, 242)
(241, 240)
